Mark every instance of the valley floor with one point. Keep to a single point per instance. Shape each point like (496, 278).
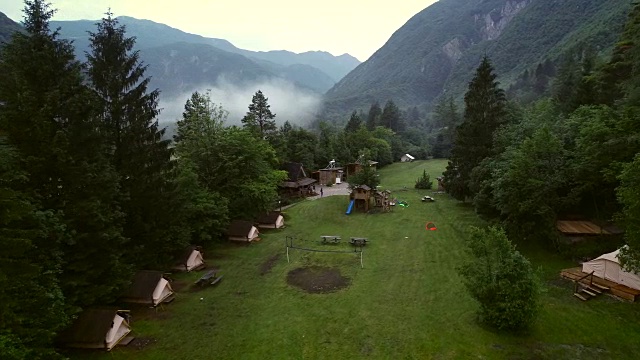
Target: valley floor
(407, 302)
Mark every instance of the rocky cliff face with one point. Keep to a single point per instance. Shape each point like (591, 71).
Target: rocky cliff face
(494, 22)
(438, 50)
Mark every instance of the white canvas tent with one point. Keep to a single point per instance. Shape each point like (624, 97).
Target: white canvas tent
(271, 220)
(96, 329)
(407, 158)
(242, 231)
(608, 267)
(191, 259)
(149, 287)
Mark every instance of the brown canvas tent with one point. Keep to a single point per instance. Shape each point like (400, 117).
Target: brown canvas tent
(96, 329)
(190, 260)
(607, 266)
(240, 230)
(148, 287)
(271, 220)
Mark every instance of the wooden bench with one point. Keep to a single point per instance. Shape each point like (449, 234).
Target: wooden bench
(208, 278)
(357, 241)
(330, 239)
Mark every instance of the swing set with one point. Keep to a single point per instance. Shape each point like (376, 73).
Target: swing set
(289, 243)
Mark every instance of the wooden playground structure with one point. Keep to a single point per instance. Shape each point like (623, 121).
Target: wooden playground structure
(361, 197)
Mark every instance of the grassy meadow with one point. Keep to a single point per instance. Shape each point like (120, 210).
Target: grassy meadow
(407, 302)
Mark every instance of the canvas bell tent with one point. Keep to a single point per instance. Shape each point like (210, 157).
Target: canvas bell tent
(407, 158)
(242, 231)
(97, 329)
(190, 260)
(608, 267)
(271, 220)
(149, 287)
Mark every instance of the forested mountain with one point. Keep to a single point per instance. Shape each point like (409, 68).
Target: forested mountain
(7, 27)
(437, 50)
(151, 34)
(315, 70)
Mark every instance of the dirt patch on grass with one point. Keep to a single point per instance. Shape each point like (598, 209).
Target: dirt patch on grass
(317, 280)
(140, 343)
(268, 265)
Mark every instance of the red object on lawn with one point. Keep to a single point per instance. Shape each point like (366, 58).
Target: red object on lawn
(431, 226)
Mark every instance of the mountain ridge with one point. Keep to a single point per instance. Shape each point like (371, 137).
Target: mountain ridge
(146, 32)
(437, 50)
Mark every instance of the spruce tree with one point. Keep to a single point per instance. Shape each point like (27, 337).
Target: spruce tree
(373, 118)
(391, 117)
(354, 123)
(196, 141)
(259, 119)
(28, 276)
(485, 111)
(49, 115)
(141, 157)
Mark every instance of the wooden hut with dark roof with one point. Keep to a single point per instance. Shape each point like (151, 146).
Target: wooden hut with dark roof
(271, 220)
(297, 180)
(240, 230)
(97, 329)
(149, 287)
(576, 231)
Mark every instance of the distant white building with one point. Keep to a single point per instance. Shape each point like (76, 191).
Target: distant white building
(407, 158)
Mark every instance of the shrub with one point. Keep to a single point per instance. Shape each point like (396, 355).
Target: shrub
(424, 182)
(501, 280)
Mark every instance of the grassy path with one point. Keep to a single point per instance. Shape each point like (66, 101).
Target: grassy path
(407, 302)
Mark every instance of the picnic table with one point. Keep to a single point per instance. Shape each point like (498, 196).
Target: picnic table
(358, 241)
(208, 278)
(330, 239)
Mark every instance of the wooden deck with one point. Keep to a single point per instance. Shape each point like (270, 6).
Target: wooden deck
(616, 289)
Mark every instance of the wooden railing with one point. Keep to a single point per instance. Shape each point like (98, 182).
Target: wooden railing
(577, 281)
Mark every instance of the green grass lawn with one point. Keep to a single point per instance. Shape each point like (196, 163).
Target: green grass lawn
(406, 303)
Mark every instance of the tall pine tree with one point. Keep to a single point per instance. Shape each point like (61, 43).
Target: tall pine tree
(141, 157)
(259, 119)
(391, 117)
(373, 118)
(49, 115)
(485, 111)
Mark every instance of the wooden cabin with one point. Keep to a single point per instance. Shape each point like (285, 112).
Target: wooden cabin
(575, 231)
(297, 182)
(356, 167)
(330, 176)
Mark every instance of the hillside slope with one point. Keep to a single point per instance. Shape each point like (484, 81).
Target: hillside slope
(438, 49)
(7, 27)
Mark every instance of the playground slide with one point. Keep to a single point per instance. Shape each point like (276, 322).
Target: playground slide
(350, 207)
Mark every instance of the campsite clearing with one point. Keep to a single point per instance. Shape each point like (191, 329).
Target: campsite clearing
(407, 302)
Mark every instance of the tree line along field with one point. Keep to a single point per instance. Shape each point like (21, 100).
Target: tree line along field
(407, 302)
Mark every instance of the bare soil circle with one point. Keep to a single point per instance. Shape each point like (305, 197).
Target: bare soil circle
(317, 279)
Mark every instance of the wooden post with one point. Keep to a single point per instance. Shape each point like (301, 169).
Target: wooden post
(287, 254)
(361, 264)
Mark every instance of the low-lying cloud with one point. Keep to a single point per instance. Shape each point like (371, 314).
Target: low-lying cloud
(288, 101)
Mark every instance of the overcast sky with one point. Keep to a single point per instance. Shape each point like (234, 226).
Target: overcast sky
(357, 27)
